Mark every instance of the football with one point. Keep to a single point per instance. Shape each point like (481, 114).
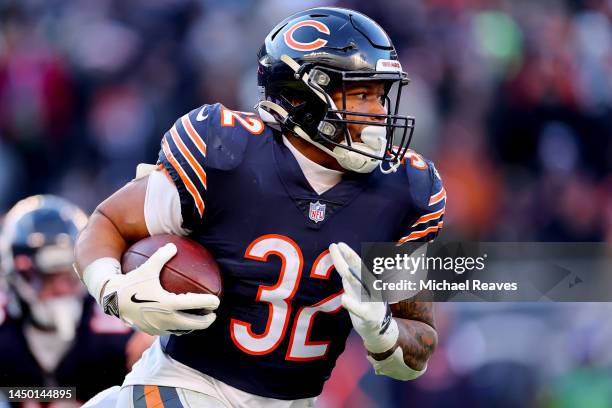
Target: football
(193, 269)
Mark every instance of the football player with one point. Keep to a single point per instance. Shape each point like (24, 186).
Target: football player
(283, 198)
(51, 334)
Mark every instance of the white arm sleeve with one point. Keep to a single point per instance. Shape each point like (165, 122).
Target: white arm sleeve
(162, 207)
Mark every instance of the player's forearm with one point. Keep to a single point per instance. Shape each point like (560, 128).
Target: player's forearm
(99, 239)
(417, 340)
(417, 334)
(117, 222)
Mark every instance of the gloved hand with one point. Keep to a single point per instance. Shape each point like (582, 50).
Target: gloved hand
(372, 320)
(138, 299)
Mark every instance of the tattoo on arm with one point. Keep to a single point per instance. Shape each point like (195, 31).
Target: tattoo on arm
(415, 310)
(417, 334)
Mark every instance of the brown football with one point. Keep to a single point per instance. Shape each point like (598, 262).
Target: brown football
(193, 269)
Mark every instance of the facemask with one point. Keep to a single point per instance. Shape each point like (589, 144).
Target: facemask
(61, 313)
(373, 141)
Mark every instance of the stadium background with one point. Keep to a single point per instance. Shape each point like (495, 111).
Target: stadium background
(513, 102)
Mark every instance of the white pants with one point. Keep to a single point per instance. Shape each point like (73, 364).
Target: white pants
(134, 397)
(175, 381)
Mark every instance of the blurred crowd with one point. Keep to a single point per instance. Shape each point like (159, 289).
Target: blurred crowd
(512, 99)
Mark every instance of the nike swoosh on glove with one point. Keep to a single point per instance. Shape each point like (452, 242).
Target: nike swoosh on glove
(371, 319)
(138, 299)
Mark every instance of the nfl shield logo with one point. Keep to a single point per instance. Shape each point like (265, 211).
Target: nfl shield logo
(317, 212)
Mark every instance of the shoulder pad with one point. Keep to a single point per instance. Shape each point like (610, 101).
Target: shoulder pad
(209, 137)
(428, 200)
(423, 179)
(227, 133)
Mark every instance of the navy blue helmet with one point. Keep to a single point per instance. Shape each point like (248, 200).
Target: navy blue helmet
(318, 51)
(36, 248)
(44, 229)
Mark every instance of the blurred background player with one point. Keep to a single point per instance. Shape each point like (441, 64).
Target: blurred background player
(50, 333)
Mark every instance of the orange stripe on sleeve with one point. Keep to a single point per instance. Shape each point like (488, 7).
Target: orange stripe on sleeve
(439, 196)
(193, 163)
(152, 397)
(184, 177)
(429, 217)
(193, 134)
(420, 234)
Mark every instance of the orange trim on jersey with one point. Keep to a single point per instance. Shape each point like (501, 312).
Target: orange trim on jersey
(429, 217)
(439, 196)
(314, 272)
(193, 163)
(420, 234)
(153, 397)
(184, 177)
(194, 135)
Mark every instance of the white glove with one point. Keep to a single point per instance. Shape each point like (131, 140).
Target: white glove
(371, 319)
(139, 300)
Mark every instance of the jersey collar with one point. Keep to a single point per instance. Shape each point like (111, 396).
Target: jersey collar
(299, 189)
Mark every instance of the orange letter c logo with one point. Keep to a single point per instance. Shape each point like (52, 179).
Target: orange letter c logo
(309, 46)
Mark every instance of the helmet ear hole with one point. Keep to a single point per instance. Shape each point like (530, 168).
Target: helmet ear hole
(304, 109)
(309, 119)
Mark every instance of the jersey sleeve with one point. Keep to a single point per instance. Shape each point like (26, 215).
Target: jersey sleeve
(430, 200)
(183, 154)
(162, 206)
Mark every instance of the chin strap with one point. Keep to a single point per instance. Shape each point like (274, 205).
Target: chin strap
(273, 114)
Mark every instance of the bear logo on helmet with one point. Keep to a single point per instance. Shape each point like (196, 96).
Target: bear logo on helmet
(309, 46)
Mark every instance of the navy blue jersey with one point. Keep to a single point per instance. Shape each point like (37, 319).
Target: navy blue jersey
(280, 326)
(96, 360)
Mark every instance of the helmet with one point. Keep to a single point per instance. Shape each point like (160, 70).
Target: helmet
(314, 52)
(36, 251)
